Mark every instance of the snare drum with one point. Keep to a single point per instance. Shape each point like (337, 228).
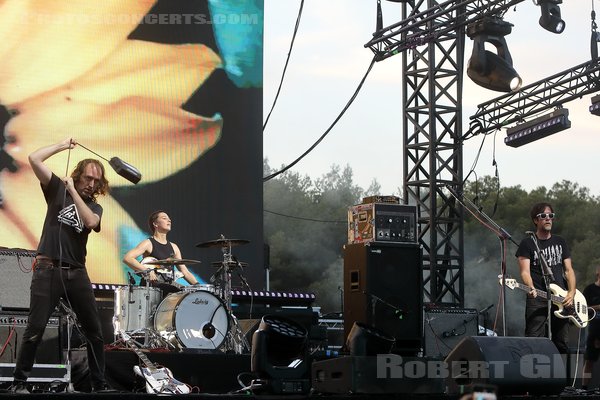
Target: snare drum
(200, 286)
(135, 307)
(194, 320)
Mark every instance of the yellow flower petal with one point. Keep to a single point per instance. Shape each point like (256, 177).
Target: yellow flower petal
(137, 68)
(48, 43)
(130, 129)
(24, 208)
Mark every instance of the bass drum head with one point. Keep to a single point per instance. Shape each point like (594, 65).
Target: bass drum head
(196, 320)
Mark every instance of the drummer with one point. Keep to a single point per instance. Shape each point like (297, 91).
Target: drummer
(159, 247)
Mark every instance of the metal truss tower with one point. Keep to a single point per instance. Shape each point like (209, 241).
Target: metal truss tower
(431, 123)
(431, 39)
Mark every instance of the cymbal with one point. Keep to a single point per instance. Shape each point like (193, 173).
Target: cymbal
(230, 264)
(223, 243)
(173, 261)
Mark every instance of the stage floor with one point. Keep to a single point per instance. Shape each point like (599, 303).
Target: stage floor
(223, 376)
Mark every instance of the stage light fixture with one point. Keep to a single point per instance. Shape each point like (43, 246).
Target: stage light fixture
(279, 355)
(489, 70)
(595, 106)
(538, 128)
(365, 340)
(551, 19)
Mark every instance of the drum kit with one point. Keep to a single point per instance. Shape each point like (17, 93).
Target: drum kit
(195, 317)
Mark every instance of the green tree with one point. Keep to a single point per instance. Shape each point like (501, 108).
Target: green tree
(305, 225)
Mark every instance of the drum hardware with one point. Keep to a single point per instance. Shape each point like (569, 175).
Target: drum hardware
(172, 261)
(134, 310)
(235, 340)
(223, 242)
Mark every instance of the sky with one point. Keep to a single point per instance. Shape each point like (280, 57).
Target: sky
(329, 60)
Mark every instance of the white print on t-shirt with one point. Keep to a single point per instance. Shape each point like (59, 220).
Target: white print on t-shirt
(552, 254)
(70, 216)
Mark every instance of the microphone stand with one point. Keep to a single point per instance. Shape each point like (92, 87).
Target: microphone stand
(502, 234)
(548, 278)
(71, 322)
(379, 299)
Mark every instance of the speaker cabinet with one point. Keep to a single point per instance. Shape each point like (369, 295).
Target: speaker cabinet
(445, 327)
(15, 268)
(383, 288)
(515, 365)
(12, 328)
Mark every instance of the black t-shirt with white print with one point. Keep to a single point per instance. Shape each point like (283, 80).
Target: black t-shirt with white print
(66, 222)
(554, 250)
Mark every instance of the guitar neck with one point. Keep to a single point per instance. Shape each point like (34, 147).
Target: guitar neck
(540, 293)
(149, 364)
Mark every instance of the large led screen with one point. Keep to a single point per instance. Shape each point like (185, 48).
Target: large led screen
(172, 87)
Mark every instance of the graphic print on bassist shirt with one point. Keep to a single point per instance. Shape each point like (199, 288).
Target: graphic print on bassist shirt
(70, 216)
(552, 254)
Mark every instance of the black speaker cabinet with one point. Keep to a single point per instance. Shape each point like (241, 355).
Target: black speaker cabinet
(375, 375)
(445, 327)
(515, 365)
(383, 288)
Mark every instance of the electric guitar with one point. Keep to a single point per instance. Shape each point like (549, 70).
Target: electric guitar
(161, 269)
(159, 380)
(577, 312)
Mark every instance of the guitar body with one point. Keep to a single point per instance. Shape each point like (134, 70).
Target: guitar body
(160, 381)
(577, 312)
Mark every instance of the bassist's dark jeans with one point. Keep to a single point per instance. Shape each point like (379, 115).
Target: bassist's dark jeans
(48, 284)
(536, 314)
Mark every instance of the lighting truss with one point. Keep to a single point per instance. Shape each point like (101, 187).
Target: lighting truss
(538, 128)
(535, 98)
(427, 26)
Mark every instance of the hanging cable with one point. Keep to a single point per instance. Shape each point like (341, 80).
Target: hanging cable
(362, 81)
(306, 219)
(286, 64)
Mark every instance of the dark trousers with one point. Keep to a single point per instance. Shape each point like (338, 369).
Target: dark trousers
(536, 316)
(48, 284)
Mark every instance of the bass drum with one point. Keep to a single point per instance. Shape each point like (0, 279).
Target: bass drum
(193, 320)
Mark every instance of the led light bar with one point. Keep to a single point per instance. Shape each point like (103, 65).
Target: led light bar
(538, 128)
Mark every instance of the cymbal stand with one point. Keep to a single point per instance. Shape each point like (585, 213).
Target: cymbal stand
(235, 339)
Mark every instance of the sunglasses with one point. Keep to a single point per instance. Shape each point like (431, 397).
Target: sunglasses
(545, 215)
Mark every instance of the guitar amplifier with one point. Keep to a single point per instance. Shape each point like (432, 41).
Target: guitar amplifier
(12, 328)
(445, 327)
(382, 222)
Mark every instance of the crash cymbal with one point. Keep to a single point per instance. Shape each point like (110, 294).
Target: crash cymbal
(230, 264)
(223, 242)
(173, 261)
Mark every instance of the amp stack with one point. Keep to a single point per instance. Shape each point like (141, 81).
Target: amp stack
(382, 219)
(383, 277)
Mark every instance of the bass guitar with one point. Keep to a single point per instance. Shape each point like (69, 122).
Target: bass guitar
(577, 312)
(159, 380)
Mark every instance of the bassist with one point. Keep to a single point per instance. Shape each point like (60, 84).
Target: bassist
(533, 271)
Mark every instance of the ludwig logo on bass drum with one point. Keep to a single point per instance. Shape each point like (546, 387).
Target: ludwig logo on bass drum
(200, 301)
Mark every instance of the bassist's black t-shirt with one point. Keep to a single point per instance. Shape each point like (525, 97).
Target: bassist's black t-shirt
(554, 250)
